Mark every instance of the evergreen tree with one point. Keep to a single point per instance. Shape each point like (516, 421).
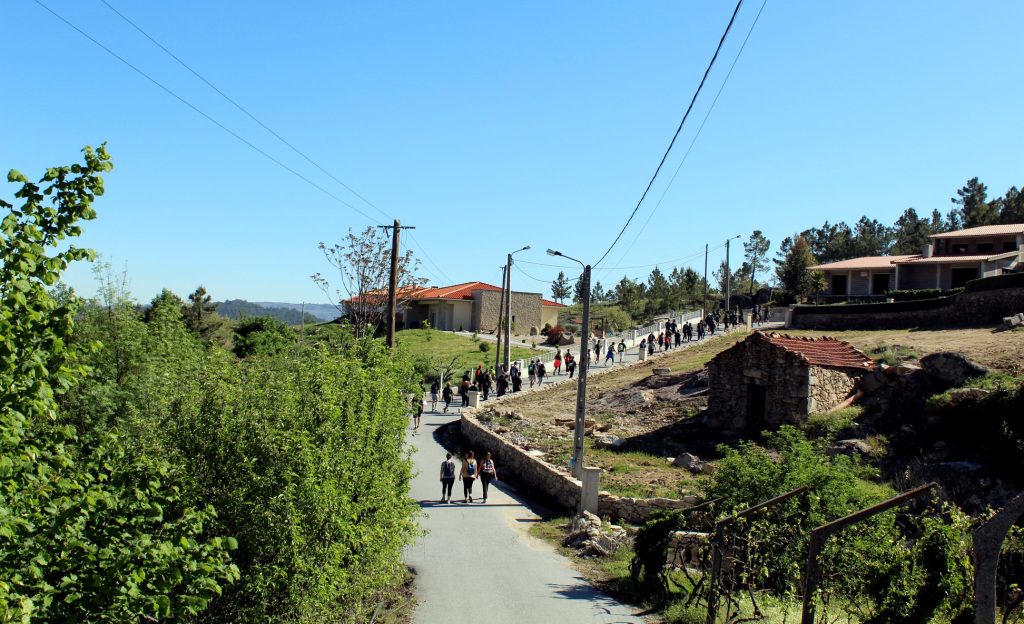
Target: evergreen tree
(870, 238)
(971, 203)
(1011, 206)
(755, 250)
(597, 293)
(792, 272)
(910, 234)
(560, 287)
(577, 290)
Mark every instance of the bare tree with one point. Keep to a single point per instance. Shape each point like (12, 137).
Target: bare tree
(363, 263)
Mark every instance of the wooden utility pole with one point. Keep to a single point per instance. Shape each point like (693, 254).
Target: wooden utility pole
(501, 311)
(393, 281)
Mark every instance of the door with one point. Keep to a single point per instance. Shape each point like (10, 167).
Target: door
(757, 403)
(879, 283)
(839, 285)
(962, 276)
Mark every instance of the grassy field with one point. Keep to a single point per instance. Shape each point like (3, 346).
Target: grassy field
(443, 346)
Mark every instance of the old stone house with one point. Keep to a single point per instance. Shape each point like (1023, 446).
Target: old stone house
(768, 380)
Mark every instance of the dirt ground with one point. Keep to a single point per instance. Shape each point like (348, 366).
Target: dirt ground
(655, 416)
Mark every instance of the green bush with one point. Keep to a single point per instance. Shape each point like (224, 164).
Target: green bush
(1007, 280)
(261, 335)
(920, 293)
(876, 308)
(484, 347)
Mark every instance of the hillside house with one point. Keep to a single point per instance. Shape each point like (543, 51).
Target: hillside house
(949, 260)
(768, 380)
(472, 306)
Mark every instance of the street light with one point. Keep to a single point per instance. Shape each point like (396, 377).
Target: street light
(508, 306)
(728, 277)
(581, 388)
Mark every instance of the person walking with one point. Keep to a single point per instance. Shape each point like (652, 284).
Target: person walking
(447, 478)
(570, 364)
(446, 395)
(468, 475)
(532, 371)
(416, 416)
(597, 351)
(464, 391)
(488, 473)
(517, 380)
(541, 371)
(558, 362)
(502, 384)
(435, 387)
(485, 383)
(610, 355)
(622, 350)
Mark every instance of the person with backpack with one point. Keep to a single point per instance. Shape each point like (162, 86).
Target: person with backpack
(468, 476)
(435, 387)
(502, 384)
(464, 392)
(417, 415)
(570, 364)
(532, 371)
(447, 478)
(610, 355)
(541, 371)
(517, 380)
(558, 362)
(622, 350)
(485, 383)
(488, 473)
(446, 394)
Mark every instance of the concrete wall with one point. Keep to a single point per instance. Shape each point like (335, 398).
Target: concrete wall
(548, 315)
(981, 308)
(830, 387)
(525, 310)
(462, 316)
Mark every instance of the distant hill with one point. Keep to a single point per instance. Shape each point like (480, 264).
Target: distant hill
(238, 308)
(322, 311)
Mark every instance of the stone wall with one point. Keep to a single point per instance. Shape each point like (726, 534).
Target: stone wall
(734, 376)
(555, 484)
(525, 310)
(986, 307)
(830, 387)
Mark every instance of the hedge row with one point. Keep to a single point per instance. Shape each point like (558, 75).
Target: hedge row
(1008, 280)
(920, 293)
(871, 308)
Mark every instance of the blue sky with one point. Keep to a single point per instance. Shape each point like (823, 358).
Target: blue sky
(493, 125)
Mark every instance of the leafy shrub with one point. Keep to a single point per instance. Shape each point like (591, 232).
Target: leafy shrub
(554, 335)
(894, 354)
(484, 347)
(829, 426)
(262, 335)
(1007, 280)
(921, 293)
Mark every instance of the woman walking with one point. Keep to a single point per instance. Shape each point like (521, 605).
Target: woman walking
(446, 394)
(435, 387)
(447, 478)
(468, 476)
(558, 362)
(570, 364)
(488, 473)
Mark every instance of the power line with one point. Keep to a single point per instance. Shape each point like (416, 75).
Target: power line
(206, 116)
(242, 108)
(429, 259)
(676, 135)
(697, 134)
(525, 274)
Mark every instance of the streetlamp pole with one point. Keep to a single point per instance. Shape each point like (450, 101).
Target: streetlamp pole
(728, 276)
(581, 388)
(508, 308)
(704, 309)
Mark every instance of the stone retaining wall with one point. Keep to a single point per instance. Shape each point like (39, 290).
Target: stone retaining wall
(830, 387)
(984, 307)
(555, 484)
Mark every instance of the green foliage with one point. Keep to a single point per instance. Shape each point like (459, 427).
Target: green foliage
(650, 547)
(484, 347)
(560, 288)
(920, 293)
(894, 354)
(88, 532)
(262, 335)
(828, 426)
(1008, 280)
(792, 270)
(236, 309)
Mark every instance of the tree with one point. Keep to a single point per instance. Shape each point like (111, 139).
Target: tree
(1011, 206)
(830, 243)
(910, 233)
(597, 293)
(560, 288)
(871, 238)
(755, 250)
(198, 310)
(363, 262)
(658, 293)
(167, 299)
(577, 290)
(630, 296)
(937, 225)
(971, 202)
(262, 335)
(792, 272)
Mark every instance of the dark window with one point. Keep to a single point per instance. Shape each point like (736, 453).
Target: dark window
(839, 285)
(959, 248)
(962, 276)
(986, 248)
(879, 283)
(1010, 246)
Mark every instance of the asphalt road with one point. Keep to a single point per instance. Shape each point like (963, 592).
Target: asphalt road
(477, 561)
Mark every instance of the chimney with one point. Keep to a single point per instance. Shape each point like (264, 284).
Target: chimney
(927, 253)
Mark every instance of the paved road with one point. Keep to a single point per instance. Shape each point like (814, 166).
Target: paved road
(477, 561)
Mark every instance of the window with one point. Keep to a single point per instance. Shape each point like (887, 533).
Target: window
(986, 248)
(1010, 246)
(958, 248)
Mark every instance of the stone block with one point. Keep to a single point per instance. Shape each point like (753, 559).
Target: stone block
(950, 368)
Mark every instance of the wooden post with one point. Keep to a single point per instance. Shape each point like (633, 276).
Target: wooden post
(393, 284)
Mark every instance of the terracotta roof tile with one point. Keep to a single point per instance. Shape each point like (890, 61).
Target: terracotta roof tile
(864, 262)
(827, 352)
(984, 230)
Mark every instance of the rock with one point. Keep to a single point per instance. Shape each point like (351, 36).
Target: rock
(603, 427)
(873, 381)
(906, 368)
(950, 368)
(850, 447)
(706, 468)
(686, 460)
(967, 394)
(1011, 322)
(661, 372)
(608, 441)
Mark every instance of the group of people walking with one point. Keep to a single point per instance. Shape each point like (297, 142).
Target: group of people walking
(468, 473)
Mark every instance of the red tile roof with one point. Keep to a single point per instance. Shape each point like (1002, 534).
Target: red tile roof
(456, 292)
(552, 304)
(984, 230)
(864, 262)
(825, 351)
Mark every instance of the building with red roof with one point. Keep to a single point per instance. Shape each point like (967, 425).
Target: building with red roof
(768, 380)
(471, 306)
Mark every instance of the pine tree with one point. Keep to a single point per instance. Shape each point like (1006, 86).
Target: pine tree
(560, 287)
(793, 273)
